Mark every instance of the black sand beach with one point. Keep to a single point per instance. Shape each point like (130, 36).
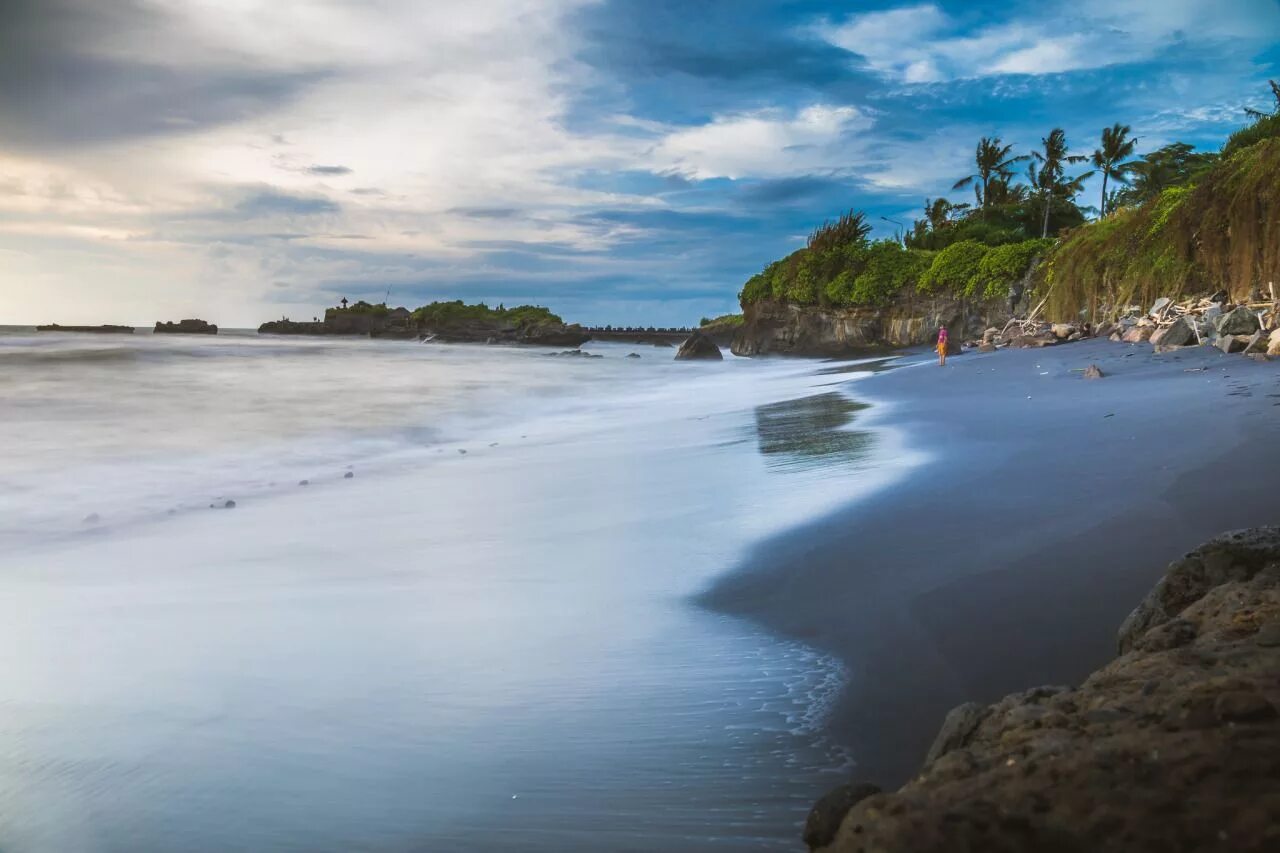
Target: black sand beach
(1048, 508)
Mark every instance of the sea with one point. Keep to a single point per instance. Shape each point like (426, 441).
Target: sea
(316, 594)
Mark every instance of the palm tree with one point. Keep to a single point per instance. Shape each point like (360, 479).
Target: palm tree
(994, 163)
(1050, 178)
(1109, 159)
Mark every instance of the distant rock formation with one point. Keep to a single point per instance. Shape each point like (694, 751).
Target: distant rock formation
(699, 347)
(443, 322)
(186, 327)
(98, 330)
(1173, 746)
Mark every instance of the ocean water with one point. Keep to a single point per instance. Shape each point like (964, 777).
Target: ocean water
(471, 628)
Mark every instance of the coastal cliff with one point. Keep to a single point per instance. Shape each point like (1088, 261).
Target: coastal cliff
(782, 328)
(1175, 745)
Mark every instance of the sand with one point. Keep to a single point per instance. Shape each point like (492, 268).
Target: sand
(1049, 505)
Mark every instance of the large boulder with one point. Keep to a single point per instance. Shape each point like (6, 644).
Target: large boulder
(1062, 331)
(699, 347)
(1238, 321)
(1273, 343)
(1138, 334)
(1170, 747)
(1181, 334)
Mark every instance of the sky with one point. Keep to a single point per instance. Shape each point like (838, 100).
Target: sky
(621, 161)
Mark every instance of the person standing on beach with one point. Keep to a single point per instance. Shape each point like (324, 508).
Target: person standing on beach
(942, 346)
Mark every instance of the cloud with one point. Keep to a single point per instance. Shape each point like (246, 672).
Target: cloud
(275, 203)
(763, 143)
(328, 170)
(923, 44)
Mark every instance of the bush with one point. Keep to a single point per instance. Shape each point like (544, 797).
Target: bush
(1266, 127)
(889, 268)
(1004, 266)
(954, 269)
(455, 312)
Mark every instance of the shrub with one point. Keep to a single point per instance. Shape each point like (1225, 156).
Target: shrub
(888, 269)
(954, 269)
(1004, 266)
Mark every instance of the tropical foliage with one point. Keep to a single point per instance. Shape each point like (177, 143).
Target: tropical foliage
(445, 314)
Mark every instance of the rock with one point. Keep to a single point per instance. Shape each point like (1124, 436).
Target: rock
(349, 475)
(986, 346)
(1255, 343)
(1075, 336)
(1170, 747)
(825, 816)
(1220, 297)
(1093, 372)
(1117, 337)
(1161, 305)
(185, 327)
(990, 334)
(1232, 343)
(229, 505)
(1104, 330)
(97, 330)
(633, 355)
(1062, 331)
(1182, 333)
(1137, 334)
(1233, 556)
(957, 727)
(1261, 357)
(304, 482)
(1032, 342)
(699, 347)
(661, 344)
(1238, 321)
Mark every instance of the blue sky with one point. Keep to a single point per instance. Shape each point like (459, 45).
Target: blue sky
(624, 161)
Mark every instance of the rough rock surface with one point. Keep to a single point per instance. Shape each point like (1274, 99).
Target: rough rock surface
(1138, 334)
(1238, 321)
(699, 346)
(1173, 746)
(186, 327)
(910, 320)
(1093, 372)
(1180, 334)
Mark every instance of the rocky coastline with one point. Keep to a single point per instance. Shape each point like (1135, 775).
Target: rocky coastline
(772, 327)
(1174, 745)
(481, 327)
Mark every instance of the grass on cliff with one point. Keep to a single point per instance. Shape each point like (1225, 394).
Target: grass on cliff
(869, 274)
(446, 314)
(1222, 233)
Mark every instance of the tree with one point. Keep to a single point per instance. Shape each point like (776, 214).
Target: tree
(1048, 175)
(994, 162)
(1275, 92)
(1110, 158)
(1173, 165)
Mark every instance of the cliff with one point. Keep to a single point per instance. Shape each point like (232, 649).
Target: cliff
(1173, 746)
(783, 328)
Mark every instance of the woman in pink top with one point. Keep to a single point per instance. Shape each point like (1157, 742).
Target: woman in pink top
(942, 346)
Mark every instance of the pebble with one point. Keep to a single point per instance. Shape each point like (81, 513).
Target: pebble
(304, 482)
(348, 475)
(229, 505)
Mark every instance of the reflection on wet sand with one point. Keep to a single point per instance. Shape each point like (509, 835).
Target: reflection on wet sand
(811, 432)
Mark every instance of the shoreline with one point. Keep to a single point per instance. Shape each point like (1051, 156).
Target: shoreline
(950, 585)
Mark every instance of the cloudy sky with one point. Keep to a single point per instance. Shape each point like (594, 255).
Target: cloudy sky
(624, 161)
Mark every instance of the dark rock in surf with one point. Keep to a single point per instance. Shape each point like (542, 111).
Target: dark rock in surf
(185, 327)
(699, 347)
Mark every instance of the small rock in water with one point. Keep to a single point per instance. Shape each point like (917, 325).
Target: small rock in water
(304, 482)
(229, 505)
(633, 355)
(92, 518)
(348, 475)
(1093, 372)
(493, 444)
(461, 451)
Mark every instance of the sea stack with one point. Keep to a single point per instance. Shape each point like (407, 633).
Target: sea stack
(186, 327)
(699, 347)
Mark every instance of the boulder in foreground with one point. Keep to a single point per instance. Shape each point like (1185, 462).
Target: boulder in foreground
(1173, 746)
(699, 347)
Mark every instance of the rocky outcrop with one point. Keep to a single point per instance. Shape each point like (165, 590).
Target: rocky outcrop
(186, 327)
(506, 332)
(1173, 746)
(699, 347)
(96, 330)
(912, 319)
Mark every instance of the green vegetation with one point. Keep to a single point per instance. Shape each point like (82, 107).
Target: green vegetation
(727, 321)
(1171, 222)
(362, 307)
(446, 314)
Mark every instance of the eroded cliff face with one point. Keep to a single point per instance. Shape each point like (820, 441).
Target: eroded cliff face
(809, 330)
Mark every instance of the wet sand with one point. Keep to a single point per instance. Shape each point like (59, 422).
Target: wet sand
(1049, 505)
